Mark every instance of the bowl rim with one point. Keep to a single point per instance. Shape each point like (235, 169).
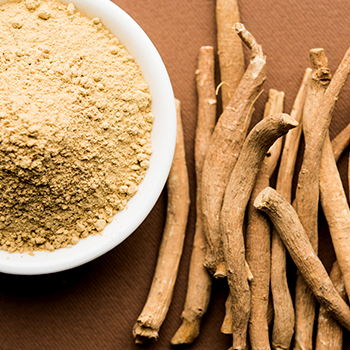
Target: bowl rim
(125, 222)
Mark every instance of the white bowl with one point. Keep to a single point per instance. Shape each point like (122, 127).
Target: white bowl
(163, 143)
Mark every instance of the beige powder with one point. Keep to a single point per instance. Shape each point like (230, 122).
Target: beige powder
(75, 124)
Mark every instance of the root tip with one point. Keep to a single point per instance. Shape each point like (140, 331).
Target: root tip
(238, 27)
(187, 333)
(318, 58)
(290, 121)
(225, 329)
(143, 334)
(262, 198)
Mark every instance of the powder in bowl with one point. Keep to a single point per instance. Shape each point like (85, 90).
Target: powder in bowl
(75, 126)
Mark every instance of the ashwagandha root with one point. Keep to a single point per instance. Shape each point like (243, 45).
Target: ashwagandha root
(258, 245)
(231, 60)
(258, 224)
(307, 193)
(199, 280)
(294, 237)
(258, 239)
(224, 149)
(230, 49)
(336, 209)
(283, 323)
(274, 105)
(159, 298)
(237, 194)
(329, 331)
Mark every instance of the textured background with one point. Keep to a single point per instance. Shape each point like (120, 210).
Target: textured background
(95, 306)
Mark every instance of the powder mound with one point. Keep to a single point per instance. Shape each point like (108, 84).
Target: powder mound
(75, 126)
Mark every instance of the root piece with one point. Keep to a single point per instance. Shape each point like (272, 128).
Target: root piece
(274, 105)
(230, 50)
(224, 149)
(258, 242)
(237, 194)
(291, 145)
(307, 193)
(336, 209)
(320, 79)
(199, 280)
(329, 331)
(334, 90)
(259, 226)
(159, 298)
(283, 325)
(258, 239)
(294, 237)
(340, 142)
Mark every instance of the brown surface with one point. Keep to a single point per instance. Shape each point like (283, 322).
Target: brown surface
(95, 306)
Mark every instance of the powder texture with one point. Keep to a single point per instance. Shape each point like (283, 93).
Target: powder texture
(75, 126)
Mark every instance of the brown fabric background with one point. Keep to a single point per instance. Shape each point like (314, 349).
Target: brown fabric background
(95, 306)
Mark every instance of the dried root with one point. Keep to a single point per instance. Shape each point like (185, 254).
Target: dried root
(230, 50)
(329, 331)
(236, 198)
(199, 280)
(258, 245)
(224, 149)
(258, 238)
(274, 105)
(294, 237)
(325, 94)
(336, 209)
(283, 325)
(159, 298)
(307, 193)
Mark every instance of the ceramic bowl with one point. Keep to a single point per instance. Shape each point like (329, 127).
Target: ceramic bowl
(125, 222)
